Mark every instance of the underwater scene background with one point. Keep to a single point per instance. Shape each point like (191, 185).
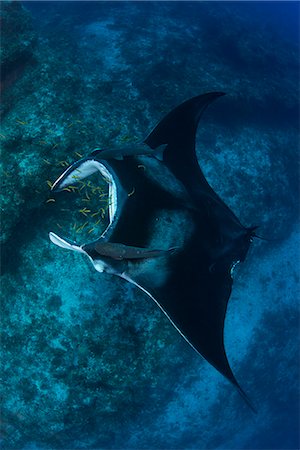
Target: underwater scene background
(88, 361)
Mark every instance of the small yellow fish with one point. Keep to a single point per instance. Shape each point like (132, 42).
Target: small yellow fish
(84, 211)
(50, 200)
(81, 227)
(73, 188)
(63, 163)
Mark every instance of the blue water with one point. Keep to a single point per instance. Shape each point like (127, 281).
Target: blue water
(88, 361)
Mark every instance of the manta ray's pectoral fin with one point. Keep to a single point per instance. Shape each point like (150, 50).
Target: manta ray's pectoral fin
(177, 131)
(178, 128)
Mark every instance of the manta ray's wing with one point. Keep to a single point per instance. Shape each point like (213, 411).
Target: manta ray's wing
(177, 130)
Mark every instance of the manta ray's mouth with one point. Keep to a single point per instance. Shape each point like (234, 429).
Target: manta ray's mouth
(92, 197)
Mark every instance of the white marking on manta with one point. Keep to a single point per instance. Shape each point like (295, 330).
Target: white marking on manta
(60, 242)
(233, 266)
(79, 173)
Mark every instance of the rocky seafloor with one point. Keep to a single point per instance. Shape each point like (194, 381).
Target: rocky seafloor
(90, 362)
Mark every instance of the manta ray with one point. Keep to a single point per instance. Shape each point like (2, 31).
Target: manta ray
(169, 233)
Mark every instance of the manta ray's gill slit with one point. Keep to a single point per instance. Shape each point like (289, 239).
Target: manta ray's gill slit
(85, 202)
